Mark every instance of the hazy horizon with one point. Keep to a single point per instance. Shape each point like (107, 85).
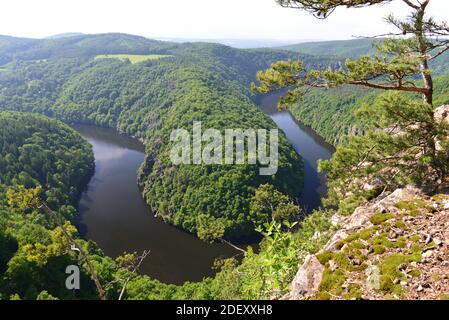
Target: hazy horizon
(174, 39)
(236, 43)
(249, 20)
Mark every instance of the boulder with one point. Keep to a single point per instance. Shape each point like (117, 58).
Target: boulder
(442, 113)
(308, 279)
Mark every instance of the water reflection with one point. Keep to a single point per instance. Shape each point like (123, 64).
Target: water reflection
(114, 215)
(310, 146)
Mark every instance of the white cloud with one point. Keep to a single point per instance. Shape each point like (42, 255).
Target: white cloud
(241, 19)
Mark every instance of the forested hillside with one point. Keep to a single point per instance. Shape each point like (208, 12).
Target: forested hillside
(330, 112)
(344, 49)
(188, 82)
(37, 152)
(340, 48)
(13, 49)
(150, 100)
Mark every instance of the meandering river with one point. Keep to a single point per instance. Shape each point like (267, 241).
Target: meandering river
(309, 145)
(114, 215)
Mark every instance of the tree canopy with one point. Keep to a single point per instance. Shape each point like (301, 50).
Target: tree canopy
(399, 59)
(147, 100)
(401, 141)
(39, 159)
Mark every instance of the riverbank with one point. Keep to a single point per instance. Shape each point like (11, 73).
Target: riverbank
(114, 215)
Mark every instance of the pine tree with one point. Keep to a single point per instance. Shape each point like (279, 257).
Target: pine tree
(403, 143)
(400, 57)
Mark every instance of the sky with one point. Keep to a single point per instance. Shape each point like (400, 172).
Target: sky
(196, 19)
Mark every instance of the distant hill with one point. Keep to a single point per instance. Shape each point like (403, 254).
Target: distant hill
(86, 47)
(341, 48)
(235, 43)
(352, 49)
(80, 46)
(9, 46)
(65, 35)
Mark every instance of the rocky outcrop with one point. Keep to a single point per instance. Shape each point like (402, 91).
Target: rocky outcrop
(442, 114)
(309, 278)
(395, 247)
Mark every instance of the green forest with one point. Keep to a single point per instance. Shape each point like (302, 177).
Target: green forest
(147, 88)
(62, 78)
(146, 100)
(330, 112)
(46, 155)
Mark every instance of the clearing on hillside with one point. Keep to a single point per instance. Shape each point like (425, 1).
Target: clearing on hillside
(134, 58)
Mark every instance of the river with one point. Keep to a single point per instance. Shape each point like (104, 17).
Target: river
(309, 145)
(114, 215)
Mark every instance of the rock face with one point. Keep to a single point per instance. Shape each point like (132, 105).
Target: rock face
(442, 113)
(307, 281)
(395, 247)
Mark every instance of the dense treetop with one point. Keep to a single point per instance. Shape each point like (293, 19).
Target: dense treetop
(37, 152)
(197, 82)
(192, 82)
(207, 82)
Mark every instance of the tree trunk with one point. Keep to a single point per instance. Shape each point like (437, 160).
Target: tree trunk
(423, 48)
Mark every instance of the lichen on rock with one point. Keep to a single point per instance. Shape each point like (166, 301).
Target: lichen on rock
(395, 247)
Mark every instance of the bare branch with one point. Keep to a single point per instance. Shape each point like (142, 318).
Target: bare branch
(233, 245)
(410, 4)
(439, 53)
(84, 256)
(136, 267)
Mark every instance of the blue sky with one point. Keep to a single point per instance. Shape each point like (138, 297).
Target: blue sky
(198, 19)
